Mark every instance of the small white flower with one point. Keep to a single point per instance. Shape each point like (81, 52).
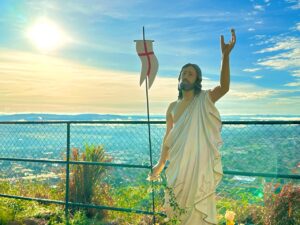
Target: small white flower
(229, 215)
(153, 178)
(166, 219)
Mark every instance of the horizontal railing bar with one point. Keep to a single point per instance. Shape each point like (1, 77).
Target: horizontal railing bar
(81, 205)
(80, 122)
(33, 160)
(263, 122)
(114, 208)
(248, 174)
(110, 164)
(75, 162)
(146, 122)
(33, 199)
(289, 176)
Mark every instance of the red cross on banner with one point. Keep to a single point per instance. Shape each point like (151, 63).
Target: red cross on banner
(144, 49)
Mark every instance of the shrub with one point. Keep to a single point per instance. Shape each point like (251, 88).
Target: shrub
(282, 208)
(86, 180)
(6, 215)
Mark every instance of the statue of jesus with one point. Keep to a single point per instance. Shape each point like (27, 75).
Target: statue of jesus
(192, 142)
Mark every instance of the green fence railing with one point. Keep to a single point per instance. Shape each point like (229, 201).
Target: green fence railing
(15, 138)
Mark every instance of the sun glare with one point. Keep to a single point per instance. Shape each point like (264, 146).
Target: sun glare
(45, 35)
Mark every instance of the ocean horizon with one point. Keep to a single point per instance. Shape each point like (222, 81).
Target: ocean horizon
(133, 117)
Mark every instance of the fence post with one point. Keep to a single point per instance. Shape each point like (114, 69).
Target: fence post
(67, 174)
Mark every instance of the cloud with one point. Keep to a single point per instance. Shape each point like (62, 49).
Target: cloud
(40, 83)
(295, 4)
(256, 95)
(32, 82)
(296, 73)
(99, 10)
(293, 84)
(281, 61)
(252, 13)
(288, 55)
(251, 69)
(259, 36)
(288, 43)
(252, 95)
(210, 16)
(251, 29)
(254, 99)
(298, 26)
(116, 9)
(259, 22)
(257, 77)
(259, 7)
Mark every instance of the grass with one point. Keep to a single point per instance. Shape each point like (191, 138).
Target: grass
(279, 201)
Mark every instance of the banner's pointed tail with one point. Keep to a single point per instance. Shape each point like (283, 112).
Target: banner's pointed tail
(149, 61)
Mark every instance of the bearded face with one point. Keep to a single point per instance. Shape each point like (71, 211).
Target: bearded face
(185, 85)
(189, 79)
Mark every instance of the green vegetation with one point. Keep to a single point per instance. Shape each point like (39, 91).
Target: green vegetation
(86, 184)
(274, 204)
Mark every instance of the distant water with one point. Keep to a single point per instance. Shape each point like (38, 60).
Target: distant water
(90, 117)
(257, 148)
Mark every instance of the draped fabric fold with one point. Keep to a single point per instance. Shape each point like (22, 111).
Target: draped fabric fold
(195, 168)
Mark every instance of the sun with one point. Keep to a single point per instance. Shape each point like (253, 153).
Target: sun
(46, 35)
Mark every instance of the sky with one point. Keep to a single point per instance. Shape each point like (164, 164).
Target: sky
(80, 56)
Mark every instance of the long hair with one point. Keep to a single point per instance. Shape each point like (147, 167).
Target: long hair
(198, 85)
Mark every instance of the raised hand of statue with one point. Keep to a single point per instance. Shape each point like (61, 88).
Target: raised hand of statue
(226, 48)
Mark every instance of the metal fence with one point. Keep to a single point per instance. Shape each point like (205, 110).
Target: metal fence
(250, 149)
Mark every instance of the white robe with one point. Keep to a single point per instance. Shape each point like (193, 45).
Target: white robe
(195, 167)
